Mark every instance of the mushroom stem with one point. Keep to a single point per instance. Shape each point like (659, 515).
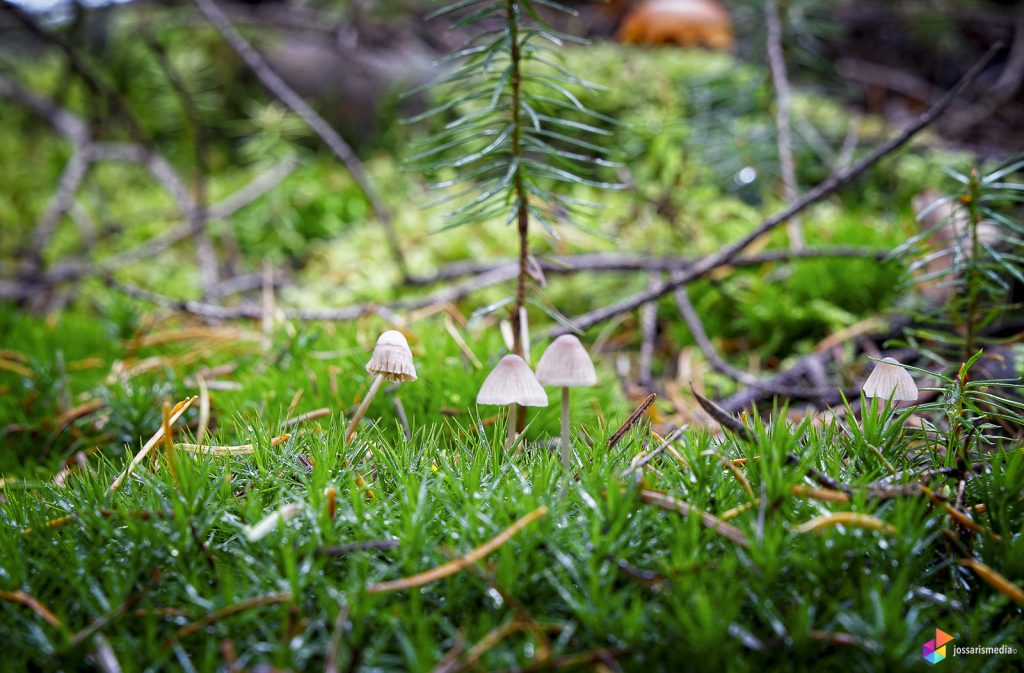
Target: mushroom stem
(370, 394)
(565, 428)
(512, 414)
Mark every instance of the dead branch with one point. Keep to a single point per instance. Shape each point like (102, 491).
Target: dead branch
(783, 130)
(277, 86)
(720, 365)
(649, 332)
(824, 189)
(206, 253)
(614, 262)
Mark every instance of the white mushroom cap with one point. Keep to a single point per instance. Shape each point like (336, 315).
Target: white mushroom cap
(566, 364)
(512, 382)
(890, 380)
(392, 358)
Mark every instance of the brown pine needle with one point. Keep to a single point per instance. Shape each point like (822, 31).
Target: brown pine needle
(853, 519)
(453, 331)
(204, 410)
(961, 518)
(995, 580)
(711, 521)
(176, 413)
(294, 404)
(231, 450)
(73, 414)
(32, 604)
(969, 523)
(225, 612)
(736, 511)
(825, 494)
(740, 477)
(460, 563)
(15, 368)
(628, 424)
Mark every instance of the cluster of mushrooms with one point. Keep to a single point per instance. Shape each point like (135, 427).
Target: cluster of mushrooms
(565, 364)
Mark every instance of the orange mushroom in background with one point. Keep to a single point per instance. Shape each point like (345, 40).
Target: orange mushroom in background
(687, 23)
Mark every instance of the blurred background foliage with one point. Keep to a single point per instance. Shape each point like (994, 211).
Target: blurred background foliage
(693, 128)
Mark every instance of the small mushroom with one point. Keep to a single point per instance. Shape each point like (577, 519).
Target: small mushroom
(391, 361)
(566, 364)
(511, 382)
(889, 380)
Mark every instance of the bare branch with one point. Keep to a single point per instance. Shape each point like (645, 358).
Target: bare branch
(727, 254)
(720, 365)
(783, 131)
(311, 117)
(614, 262)
(63, 121)
(649, 332)
(206, 253)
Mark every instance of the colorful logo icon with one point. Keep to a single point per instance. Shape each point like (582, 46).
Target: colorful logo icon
(934, 651)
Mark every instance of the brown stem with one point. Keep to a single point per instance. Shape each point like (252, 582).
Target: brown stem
(523, 216)
(727, 254)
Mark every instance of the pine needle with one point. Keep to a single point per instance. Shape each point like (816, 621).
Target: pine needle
(460, 563)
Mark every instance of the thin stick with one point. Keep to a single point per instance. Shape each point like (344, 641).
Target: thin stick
(176, 413)
(225, 612)
(824, 189)
(363, 406)
(204, 410)
(32, 604)
(334, 649)
(403, 420)
(628, 424)
(236, 450)
(783, 131)
(649, 332)
(460, 563)
(641, 461)
(995, 580)
(267, 306)
(711, 521)
(488, 276)
(609, 262)
(305, 111)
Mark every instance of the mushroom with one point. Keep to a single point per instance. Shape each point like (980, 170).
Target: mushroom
(511, 382)
(890, 381)
(391, 361)
(566, 364)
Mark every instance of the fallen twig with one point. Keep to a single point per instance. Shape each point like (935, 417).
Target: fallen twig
(853, 519)
(460, 563)
(784, 141)
(642, 459)
(277, 86)
(233, 450)
(628, 424)
(32, 604)
(228, 611)
(995, 580)
(730, 252)
(176, 413)
(711, 521)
